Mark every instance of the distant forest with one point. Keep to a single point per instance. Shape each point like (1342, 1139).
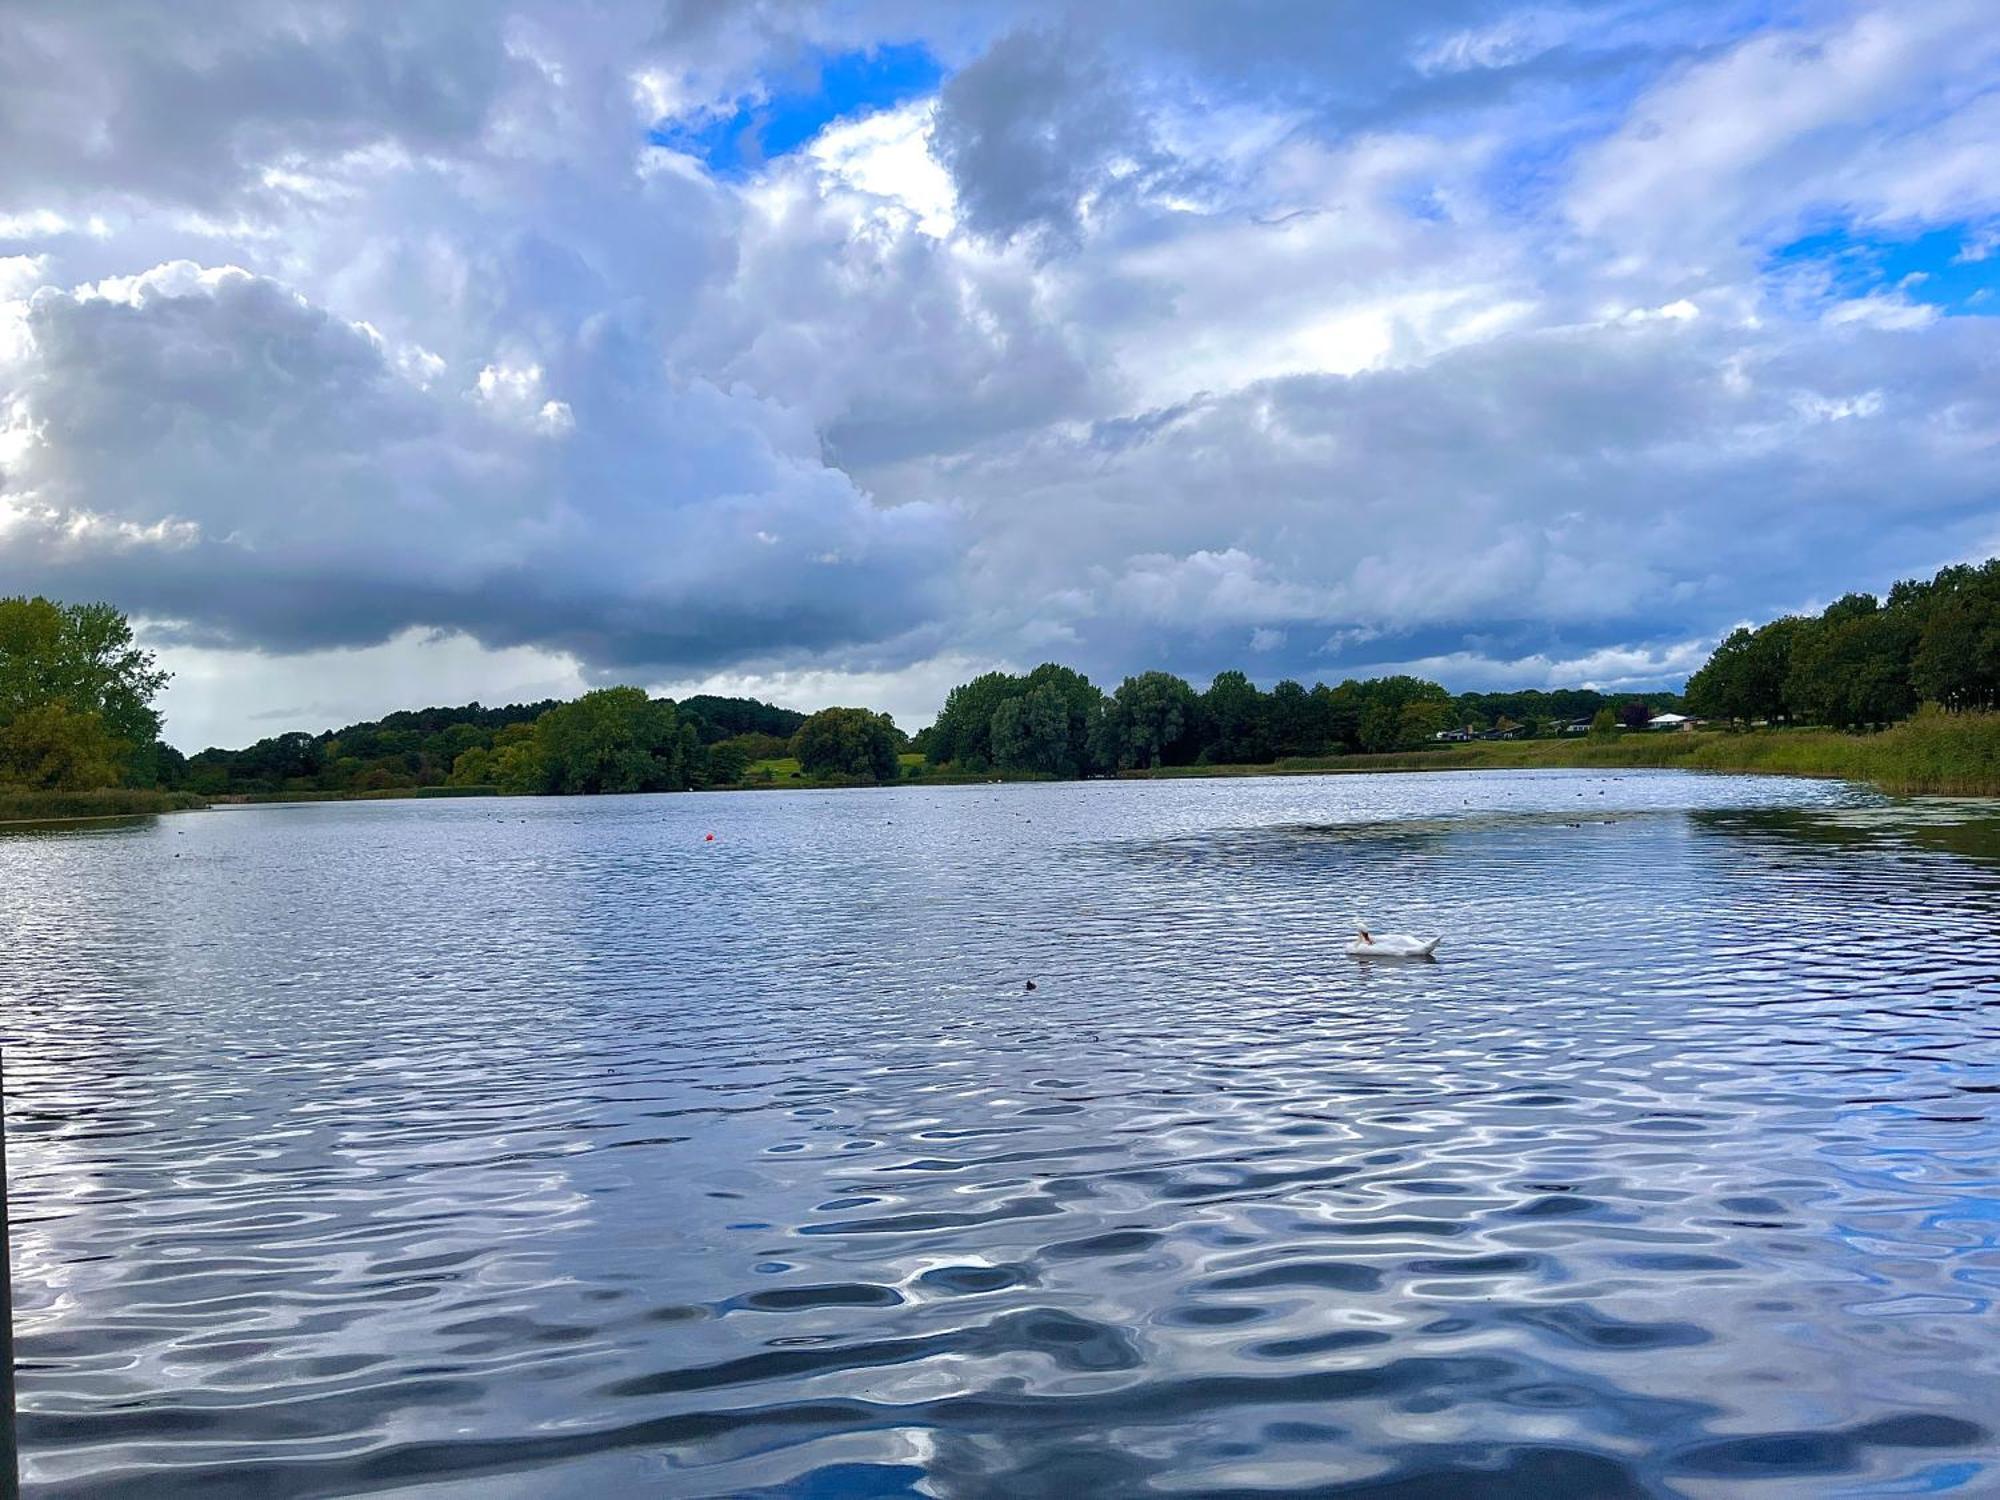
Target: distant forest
(1050, 722)
(617, 739)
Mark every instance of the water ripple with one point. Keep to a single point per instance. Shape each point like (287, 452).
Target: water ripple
(468, 1150)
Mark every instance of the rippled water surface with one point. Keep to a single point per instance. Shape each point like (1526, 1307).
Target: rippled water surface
(539, 1148)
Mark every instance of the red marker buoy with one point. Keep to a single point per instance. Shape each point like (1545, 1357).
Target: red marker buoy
(709, 839)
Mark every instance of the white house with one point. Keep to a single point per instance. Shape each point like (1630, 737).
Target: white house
(1670, 721)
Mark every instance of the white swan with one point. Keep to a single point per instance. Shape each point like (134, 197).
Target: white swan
(1390, 945)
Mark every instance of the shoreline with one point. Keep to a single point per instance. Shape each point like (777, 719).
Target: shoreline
(1953, 755)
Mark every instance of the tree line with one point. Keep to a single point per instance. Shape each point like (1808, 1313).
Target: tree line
(1054, 721)
(616, 739)
(1863, 662)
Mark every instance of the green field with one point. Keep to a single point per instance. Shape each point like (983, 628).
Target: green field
(784, 770)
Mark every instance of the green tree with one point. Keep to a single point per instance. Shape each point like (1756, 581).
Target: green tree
(81, 656)
(473, 767)
(849, 742)
(1149, 722)
(1235, 714)
(1337, 711)
(53, 747)
(1422, 719)
(1603, 724)
(963, 733)
(615, 740)
(1746, 677)
(1049, 728)
(1383, 724)
(518, 768)
(1289, 721)
(1957, 659)
(727, 761)
(1852, 666)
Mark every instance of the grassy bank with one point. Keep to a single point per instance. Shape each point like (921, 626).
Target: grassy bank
(1957, 754)
(18, 805)
(377, 794)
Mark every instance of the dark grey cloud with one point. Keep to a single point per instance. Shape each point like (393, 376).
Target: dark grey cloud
(1038, 127)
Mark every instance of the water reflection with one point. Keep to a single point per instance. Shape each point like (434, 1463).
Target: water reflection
(522, 1149)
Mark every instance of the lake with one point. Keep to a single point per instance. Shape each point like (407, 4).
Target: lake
(546, 1147)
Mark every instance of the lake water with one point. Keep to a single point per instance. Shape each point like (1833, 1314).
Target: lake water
(545, 1147)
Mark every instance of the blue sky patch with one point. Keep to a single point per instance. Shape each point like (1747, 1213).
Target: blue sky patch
(799, 105)
(1955, 269)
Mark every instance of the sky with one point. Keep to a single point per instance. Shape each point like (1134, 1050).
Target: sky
(373, 355)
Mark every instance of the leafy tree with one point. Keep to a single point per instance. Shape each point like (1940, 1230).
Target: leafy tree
(1149, 722)
(1338, 714)
(518, 768)
(82, 657)
(1603, 724)
(1745, 678)
(615, 740)
(1635, 714)
(717, 719)
(1852, 665)
(53, 747)
(1048, 729)
(1235, 716)
(727, 761)
(1957, 660)
(1422, 719)
(473, 767)
(758, 746)
(963, 733)
(1291, 726)
(848, 742)
(1383, 725)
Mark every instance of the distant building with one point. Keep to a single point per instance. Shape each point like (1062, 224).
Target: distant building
(1670, 721)
(1574, 726)
(1463, 732)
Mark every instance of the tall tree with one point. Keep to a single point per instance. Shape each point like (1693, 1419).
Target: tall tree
(1149, 722)
(963, 733)
(83, 657)
(1289, 722)
(1957, 660)
(1851, 666)
(1234, 712)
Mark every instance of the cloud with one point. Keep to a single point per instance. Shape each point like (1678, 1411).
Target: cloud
(211, 448)
(145, 103)
(1037, 132)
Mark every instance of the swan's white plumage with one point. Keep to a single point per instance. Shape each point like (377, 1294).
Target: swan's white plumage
(1392, 945)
